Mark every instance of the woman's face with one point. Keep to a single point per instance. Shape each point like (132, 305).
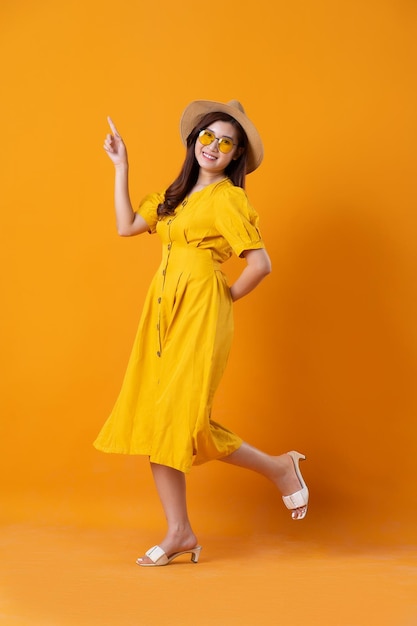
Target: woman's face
(210, 157)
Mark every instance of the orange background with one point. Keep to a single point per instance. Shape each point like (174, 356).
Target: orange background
(325, 351)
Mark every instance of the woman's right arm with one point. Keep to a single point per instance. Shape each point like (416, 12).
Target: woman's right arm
(128, 222)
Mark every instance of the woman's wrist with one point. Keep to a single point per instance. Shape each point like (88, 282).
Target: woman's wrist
(121, 167)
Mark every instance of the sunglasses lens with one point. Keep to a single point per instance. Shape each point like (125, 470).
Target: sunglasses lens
(225, 145)
(206, 137)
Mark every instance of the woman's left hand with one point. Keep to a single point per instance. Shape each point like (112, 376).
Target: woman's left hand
(258, 266)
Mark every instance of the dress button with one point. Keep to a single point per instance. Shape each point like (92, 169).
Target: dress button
(158, 353)
(163, 272)
(159, 300)
(169, 246)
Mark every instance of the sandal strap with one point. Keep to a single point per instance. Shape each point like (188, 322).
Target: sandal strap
(295, 500)
(156, 554)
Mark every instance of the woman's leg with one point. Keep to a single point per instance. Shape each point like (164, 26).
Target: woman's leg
(171, 487)
(279, 469)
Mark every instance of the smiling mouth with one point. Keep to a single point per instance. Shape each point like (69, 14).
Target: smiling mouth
(209, 156)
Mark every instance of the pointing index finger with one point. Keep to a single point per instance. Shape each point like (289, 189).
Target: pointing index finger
(112, 126)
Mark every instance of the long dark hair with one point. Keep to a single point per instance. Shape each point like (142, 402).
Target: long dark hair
(187, 178)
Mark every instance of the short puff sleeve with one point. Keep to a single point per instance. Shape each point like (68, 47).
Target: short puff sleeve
(148, 209)
(237, 221)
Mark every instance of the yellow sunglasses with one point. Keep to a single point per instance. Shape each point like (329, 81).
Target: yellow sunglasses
(206, 137)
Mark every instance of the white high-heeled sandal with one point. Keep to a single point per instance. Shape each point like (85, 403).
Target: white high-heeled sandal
(159, 557)
(299, 499)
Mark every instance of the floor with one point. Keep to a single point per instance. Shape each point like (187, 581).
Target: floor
(81, 575)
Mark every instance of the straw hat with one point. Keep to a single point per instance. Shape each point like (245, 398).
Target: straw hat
(197, 109)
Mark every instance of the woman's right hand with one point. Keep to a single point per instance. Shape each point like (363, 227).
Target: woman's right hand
(114, 145)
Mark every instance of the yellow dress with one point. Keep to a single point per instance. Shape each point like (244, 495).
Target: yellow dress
(185, 333)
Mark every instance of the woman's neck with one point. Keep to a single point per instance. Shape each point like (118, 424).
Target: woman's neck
(204, 179)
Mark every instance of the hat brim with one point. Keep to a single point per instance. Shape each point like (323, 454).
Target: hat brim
(198, 108)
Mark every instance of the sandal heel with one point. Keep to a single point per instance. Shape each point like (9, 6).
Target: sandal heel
(195, 554)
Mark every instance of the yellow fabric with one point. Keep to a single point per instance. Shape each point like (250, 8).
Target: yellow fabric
(185, 333)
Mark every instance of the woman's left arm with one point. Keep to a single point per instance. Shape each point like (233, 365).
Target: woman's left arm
(258, 265)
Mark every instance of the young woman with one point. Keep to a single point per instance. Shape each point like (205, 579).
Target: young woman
(184, 336)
